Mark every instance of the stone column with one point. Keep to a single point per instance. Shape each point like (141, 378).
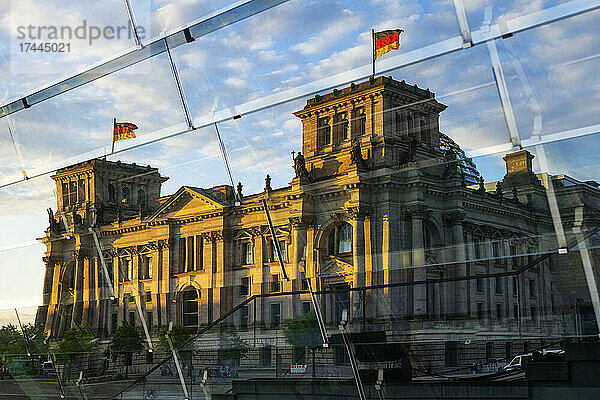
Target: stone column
(78, 289)
(87, 271)
(220, 291)
(53, 267)
(418, 260)
(164, 261)
(358, 258)
(460, 305)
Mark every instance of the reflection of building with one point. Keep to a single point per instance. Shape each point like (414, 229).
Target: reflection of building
(375, 201)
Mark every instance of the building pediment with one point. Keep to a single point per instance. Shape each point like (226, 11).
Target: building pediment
(335, 268)
(185, 202)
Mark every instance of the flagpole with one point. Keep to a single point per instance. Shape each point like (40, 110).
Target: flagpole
(112, 147)
(373, 51)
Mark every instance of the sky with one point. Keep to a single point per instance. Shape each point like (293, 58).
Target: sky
(550, 71)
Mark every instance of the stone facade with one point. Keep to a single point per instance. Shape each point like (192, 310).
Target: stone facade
(374, 202)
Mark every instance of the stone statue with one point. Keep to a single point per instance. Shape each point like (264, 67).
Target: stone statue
(268, 183)
(481, 182)
(300, 166)
(356, 157)
(53, 224)
(239, 191)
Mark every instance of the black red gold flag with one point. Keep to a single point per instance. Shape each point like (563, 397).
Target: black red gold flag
(123, 130)
(386, 41)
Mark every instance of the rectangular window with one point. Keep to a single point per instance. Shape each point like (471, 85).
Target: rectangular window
(283, 251)
(499, 312)
(246, 253)
(148, 296)
(359, 122)
(244, 317)
(552, 298)
(451, 354)
(340, 355)
(199, 252)
(265, 356)
(489, 351)
(132, 318)
(189, 260)
(516, 311)
(534, 315)
(73, 192)
(479, 284)
(515, 286)
(340, 127)
(513, 252)
(305, 307)
(480, 313)
(532, 288)
(65, 194)
(126, 269)
(113, 323)
(181, 253)
(498, 285)
(304, 283)
(496, 253)
(80, 191)
(275, 283)
(275, 315)
(149, 319)
(323, 132)
(244, 286)
(149, 267)
(478, 246)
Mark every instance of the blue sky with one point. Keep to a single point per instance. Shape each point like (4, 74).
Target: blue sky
(551, 72)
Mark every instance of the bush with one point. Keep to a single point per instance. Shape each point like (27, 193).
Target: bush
(178, 334)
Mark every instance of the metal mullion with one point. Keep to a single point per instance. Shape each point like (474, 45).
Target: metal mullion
(224, 17)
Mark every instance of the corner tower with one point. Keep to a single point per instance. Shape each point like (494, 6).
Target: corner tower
(100, 191)
(382, 121)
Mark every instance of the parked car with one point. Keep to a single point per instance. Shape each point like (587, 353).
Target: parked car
(524, 359)
(48, 368)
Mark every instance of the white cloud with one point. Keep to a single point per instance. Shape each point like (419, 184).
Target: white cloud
(346, 23)
(236, 83)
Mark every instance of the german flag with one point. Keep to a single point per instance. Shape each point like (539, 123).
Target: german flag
(386, 41)
(123, 130)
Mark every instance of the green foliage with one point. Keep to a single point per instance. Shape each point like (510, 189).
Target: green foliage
(126, 339)
(303, 331)
(75, 341)
(234, 347)
(13, 342)
(179, 335)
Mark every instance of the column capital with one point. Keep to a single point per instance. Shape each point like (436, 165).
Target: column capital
(51, 260)
(417, 211)
(359, 212)
(454, 218)
(302, 222)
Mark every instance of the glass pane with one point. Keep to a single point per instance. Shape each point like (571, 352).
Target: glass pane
(78, 125)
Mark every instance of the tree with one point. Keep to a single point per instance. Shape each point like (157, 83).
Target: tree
(178, 335)
(15, 342)
(76, 342)
(234, 347)
(11, 341)
(126, 341)
(303, 331)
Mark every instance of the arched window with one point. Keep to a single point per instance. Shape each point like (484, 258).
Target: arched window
(141, 197)
(189, 309)
(423, 132)
(125, 195)
(111, 193)
(411, 125)
(339, 240)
